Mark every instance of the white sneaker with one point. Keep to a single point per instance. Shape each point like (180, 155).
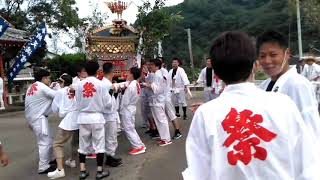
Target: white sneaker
(71, 163)
(56, 174)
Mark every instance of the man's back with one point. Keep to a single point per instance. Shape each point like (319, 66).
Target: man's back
(38, 100)
(93, 98)
(248, 134)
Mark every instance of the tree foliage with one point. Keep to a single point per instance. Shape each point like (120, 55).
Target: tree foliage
(154, 22)
(65, 63)
(208, 18)
(27, 14)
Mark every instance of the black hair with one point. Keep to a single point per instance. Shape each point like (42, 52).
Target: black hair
(177, 59)
(161, 59)
(156, 62)
(92, 67)
(40, 74)
(234, 55)
(135, 72)
(79, 67)
(272, 37)
(107, 68)
(67, 79)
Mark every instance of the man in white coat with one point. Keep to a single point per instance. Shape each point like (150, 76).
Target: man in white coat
(1, 94)
(111, 116)
(157, 102)
(274, 57)
(246, 133)
(81, 73)
(93, 99)
(131, 91)
(169, 108)
(178, 81)
(311, 70)
(213, 86)
(147, 77)
(64, 104)
(37, 108)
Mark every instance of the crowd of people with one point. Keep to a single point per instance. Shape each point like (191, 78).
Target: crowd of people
(249, 132)
(241, 131)
(94, 109)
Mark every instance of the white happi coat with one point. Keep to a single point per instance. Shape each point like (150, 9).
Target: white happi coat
(311, 72)
(181, 80)
(169, 108)
(128, 107)
(158, 86)
(76, 80)
(146, 92)
(111, 114)
(37, 107)
(301, 91)
(216, 87)
(38, 102)
(157, 102)
(166, 78)
(93, 102)
(64, 103)
(249, 134)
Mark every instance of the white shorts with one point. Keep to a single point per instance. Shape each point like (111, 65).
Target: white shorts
(91, 137)
(179, 99)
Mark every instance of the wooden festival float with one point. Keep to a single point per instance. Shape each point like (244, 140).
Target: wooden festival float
(115, 43)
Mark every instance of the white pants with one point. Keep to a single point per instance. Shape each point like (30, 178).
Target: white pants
(170, 111)
(209, 95)
(1, 101)
(111, 137)
(45, 144)
(161, 121)
(179, 99)
(91, 137)
(128, 124)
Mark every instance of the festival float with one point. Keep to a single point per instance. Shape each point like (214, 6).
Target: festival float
(115, 43)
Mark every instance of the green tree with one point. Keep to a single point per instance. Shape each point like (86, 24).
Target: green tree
(65, 63)
(154, 22)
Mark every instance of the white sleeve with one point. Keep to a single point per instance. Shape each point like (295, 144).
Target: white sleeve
(125, 100)
(184, 78)
(304, 71)
(106, 97)
(201, 77)
(49, 92)
(304, 97)
(198, 151)
(58, 105)
(305, 148)
(156, 86)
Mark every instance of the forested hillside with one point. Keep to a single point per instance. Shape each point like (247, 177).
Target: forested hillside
(208, 18)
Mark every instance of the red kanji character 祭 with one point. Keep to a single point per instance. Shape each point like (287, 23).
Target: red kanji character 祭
(244, 129)
(33, 89)
(89, 90)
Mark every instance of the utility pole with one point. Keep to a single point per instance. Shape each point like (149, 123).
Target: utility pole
(190, 53)
(299, 29)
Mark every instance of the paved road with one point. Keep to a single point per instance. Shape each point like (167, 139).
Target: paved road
(157, 164)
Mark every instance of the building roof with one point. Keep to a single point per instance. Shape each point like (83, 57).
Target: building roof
(14, 35)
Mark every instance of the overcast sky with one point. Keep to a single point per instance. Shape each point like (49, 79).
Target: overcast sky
(129, 14)
(84, 11)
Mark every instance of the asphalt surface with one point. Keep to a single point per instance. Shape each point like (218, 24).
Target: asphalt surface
(158, 163)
